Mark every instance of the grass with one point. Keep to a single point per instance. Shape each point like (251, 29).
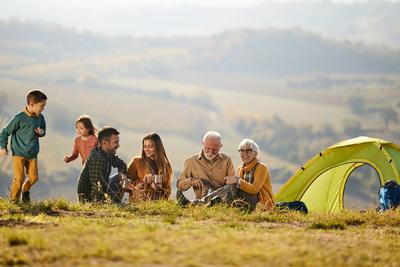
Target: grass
(61, 233)
(15, 239)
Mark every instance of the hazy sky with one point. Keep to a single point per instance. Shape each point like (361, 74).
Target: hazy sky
(156, 17)
(14, 7)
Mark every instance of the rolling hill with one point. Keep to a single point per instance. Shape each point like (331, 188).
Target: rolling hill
(287, 89)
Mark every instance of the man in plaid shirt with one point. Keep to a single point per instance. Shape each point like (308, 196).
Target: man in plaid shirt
(94, 180)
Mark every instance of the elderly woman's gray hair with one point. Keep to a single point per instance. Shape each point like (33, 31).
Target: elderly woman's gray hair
(248, 143)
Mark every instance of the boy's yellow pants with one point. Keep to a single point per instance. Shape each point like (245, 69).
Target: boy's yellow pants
(20, 166)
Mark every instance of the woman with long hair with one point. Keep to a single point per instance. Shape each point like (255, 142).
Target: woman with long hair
(151, 173)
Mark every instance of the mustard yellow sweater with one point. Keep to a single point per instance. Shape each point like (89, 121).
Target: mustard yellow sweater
(261, 184)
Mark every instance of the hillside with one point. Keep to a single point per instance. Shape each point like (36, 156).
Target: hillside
(286, 89)
(59, 233)
(248, 52)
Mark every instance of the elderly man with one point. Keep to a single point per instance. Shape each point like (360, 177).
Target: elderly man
(252, 185)
(206, 170)
(93, 184)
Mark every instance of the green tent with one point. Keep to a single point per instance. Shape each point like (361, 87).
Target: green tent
(321, 182)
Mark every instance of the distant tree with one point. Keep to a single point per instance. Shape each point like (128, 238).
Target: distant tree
(328, 131)
(245, 125)
(306, 132)
(352, 128)
(277, 122)
(61, 120)
(388, 115)
(3, 102)
(357, 105)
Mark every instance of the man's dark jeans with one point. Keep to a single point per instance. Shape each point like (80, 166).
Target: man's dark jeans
(114, 189)
(228, 194)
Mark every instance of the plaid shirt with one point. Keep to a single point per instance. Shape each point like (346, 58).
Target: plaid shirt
(94, 178)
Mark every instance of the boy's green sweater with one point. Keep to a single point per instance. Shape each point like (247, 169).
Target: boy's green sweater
(24, 140)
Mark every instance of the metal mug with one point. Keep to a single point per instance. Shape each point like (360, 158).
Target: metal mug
(157, 178)
(126, 182)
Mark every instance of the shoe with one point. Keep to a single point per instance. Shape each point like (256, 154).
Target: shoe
(198, 202)
(182, 200)
(26, 198)
(215, 200)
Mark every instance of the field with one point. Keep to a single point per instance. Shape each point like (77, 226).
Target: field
(287, 128)
(61, 233)
(181, 123)
(293, 102)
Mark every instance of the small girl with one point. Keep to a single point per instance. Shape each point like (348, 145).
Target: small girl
(85, 141)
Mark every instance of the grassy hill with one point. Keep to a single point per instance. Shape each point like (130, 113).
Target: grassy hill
(326, 91)
(59, 233)
(245, 52)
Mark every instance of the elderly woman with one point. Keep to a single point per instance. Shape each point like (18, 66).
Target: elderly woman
(251, 187)
(253, 182)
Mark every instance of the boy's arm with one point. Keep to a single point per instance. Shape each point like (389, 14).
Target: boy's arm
(8, 130)
(43, 126)
(41, 130)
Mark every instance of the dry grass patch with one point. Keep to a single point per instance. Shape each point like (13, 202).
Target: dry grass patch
(162, 234)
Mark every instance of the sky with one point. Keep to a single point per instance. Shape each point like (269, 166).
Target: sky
(150, 17)
(16, 6)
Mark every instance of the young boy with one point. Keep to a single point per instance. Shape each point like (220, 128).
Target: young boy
(25, 128)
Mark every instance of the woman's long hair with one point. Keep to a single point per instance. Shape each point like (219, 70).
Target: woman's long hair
(160, 157)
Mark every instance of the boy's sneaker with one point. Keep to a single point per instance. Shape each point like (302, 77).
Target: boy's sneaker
(26, 198)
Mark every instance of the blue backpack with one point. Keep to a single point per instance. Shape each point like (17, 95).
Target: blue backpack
(294, 205)
(389, 196)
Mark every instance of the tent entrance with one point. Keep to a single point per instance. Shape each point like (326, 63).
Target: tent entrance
(361, 189)
(329, 187)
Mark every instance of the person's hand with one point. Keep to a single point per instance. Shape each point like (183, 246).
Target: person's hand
(148, 178)
(66, 159)
(39, 131)
(122, 176)
(153, 186)
(196, 182)
(3, 152)
(231, 179)
(122, 179)
(129, 187)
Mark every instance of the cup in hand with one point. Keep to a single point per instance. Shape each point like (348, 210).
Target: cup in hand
(157, 178)
(125, 183)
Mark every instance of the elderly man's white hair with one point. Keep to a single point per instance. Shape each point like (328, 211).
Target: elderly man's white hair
(248, 143)
(212, 135)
